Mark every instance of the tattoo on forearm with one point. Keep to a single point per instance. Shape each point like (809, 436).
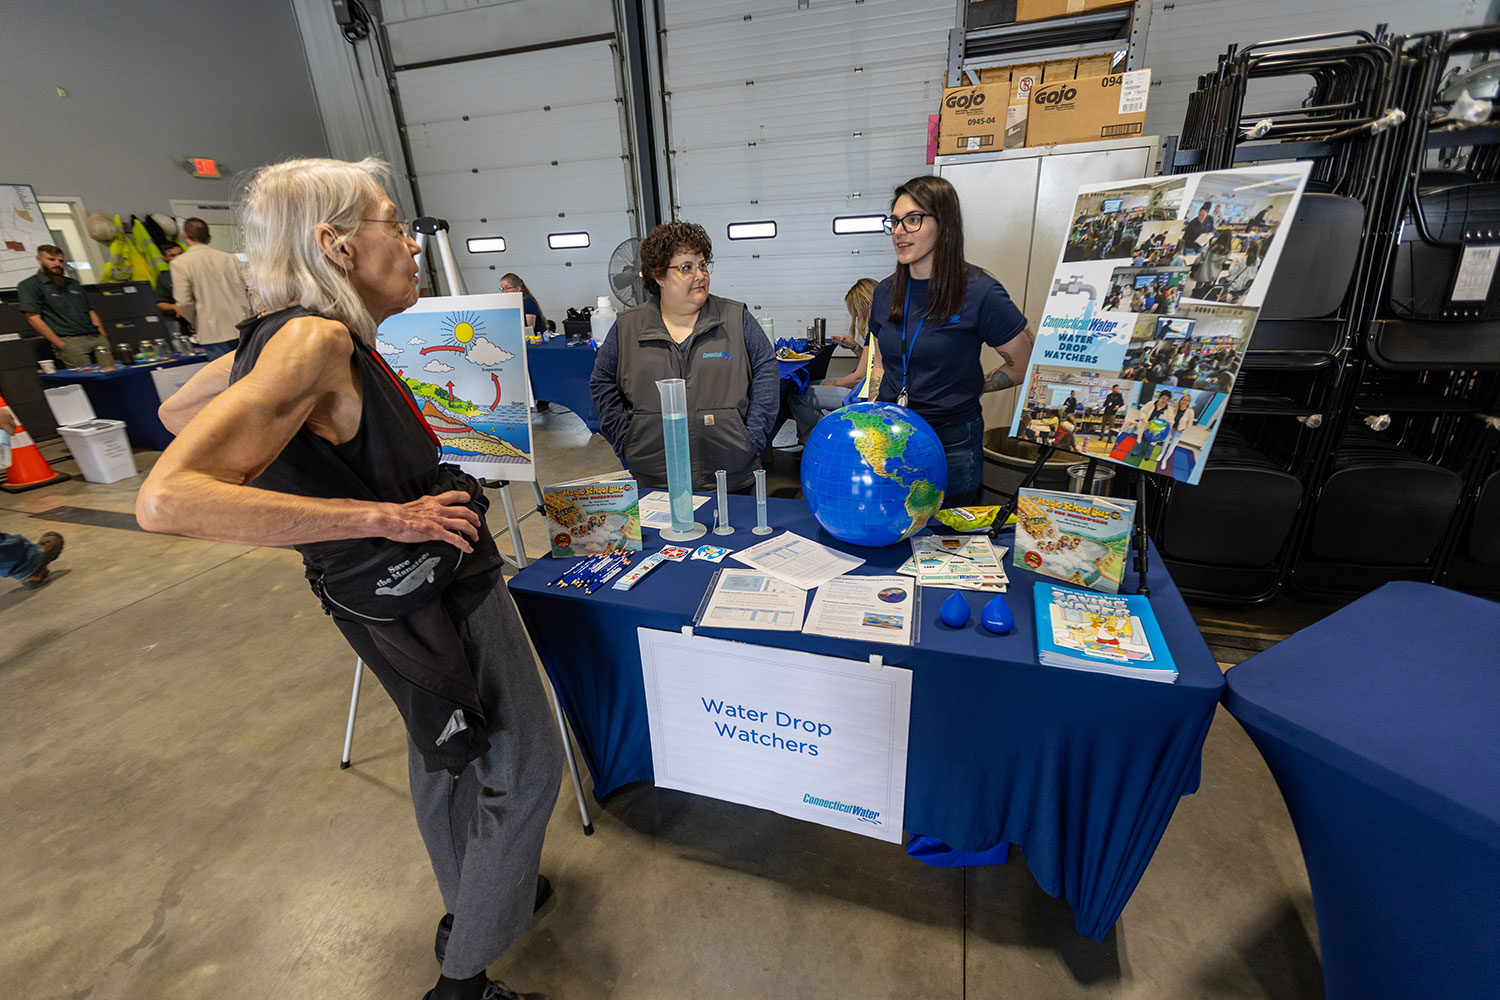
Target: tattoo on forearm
(1010, 362)
(997, 380)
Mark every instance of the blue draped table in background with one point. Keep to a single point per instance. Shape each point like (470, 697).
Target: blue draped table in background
(125, 392)
(1081, 771)
(1381, 725)
(560, 374)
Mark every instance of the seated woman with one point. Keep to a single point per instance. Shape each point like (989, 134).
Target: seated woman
(535, 320)
(830, 394)
(714, 344)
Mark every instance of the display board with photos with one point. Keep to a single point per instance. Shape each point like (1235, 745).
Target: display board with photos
(1150, 312)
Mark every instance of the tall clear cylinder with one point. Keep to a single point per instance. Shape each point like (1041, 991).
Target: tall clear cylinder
(679, 465)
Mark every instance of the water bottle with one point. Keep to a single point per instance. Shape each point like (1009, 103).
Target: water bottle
(4, 449)
(601, 320)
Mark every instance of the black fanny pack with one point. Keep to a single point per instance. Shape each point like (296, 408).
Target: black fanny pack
(379, 580)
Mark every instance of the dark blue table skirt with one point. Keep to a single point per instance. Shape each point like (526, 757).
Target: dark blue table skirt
(560, 374)
(125, 392)
(1081, 771)
(1381, 725)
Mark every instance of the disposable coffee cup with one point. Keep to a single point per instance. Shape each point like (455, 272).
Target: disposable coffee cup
(48, 365)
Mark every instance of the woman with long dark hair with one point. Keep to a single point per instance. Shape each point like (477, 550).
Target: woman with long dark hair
(930, 319)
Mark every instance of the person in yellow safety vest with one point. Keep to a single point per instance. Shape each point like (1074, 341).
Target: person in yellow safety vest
(146, 247)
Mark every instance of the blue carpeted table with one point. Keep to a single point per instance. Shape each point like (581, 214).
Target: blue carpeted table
(1381, 725)
(125, 392)
(1081, 771)
(560, 374)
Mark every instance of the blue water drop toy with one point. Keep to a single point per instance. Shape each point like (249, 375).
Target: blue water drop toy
(997, 616)
(955, 611)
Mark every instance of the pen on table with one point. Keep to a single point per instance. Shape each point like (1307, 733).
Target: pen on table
(603, 562)
(573, 572)
(607, 572)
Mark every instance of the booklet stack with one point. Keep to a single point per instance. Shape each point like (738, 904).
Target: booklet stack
(965, 563)
(1102, 633)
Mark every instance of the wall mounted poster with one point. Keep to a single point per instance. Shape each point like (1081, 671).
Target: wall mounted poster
(1150, 311)
(464, 358)
(22, 230)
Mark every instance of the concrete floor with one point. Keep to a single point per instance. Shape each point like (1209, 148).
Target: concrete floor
(175, 825)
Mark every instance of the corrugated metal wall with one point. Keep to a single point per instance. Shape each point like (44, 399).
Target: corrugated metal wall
(522, 146)
(798, 116)
(1187, 36)
(426, 30)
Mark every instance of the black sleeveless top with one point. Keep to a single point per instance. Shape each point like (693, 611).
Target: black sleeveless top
(393, 456)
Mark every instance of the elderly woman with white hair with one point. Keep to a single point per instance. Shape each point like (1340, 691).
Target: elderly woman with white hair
(304, 437)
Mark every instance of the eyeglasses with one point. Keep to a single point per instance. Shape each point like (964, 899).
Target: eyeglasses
(688, 269)
(910, 222)
(403, 226)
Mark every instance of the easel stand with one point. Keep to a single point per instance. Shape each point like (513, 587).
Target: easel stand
(436, 230)
(1138, 536)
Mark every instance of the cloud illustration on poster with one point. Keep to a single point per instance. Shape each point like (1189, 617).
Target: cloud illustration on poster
(416, 340)
(387, 349)
(485, 354)
(437, 367)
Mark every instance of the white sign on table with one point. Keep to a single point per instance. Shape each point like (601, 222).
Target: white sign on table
(811, 737)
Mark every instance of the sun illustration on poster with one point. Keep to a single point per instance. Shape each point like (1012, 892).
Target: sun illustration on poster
(463, 326)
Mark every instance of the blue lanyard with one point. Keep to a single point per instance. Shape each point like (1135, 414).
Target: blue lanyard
(906, 349)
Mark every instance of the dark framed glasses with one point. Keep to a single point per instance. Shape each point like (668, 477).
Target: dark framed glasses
(909, 223)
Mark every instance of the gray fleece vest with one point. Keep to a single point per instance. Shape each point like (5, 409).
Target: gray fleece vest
(717, 371)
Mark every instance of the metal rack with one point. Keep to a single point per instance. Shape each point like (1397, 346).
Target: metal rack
(974, 45)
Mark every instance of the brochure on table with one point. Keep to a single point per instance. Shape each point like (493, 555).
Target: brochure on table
(813, 737)
(866, 609)
(464, 359)
(1150, 311)
(748, 598)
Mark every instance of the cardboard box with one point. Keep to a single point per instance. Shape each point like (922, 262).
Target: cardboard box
(1036, 10)
(973, 119)
(1100, 65)
(1023, 80)
(1087, 110)
(1061, 69)
(1015, 126)
(996, 74)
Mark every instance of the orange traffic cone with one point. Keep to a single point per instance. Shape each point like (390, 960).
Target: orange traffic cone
(28, 469)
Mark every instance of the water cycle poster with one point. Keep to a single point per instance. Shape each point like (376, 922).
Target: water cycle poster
(1150, 311)
(464, 358)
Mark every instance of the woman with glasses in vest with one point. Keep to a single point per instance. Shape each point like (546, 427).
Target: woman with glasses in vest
(713, 344)
(930, 319)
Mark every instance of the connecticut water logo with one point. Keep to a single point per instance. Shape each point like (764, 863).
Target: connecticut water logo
(858, 812)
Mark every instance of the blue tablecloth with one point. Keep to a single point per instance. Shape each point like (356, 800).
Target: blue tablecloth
(560, 374)
(125, 392)
(1081, 771)
(1381, 725)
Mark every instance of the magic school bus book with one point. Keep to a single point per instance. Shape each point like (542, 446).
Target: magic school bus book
(1078, 539)
(589, 516)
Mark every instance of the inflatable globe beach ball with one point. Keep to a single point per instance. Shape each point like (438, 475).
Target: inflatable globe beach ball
(873, 473)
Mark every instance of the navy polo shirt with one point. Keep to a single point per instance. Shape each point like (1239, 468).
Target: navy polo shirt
(946, 374)
(530, 308)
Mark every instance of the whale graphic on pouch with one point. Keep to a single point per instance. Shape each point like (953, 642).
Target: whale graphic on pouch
(411, 581)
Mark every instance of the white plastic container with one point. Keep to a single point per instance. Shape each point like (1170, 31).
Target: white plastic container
(602, 318)
(99, 446)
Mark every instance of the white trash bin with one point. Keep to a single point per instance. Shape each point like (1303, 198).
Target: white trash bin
(100, 447)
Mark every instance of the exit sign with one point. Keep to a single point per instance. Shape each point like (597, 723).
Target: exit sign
(202, 166)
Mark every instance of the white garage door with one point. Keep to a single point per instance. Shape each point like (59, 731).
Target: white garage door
(525, 147)
(797, 117)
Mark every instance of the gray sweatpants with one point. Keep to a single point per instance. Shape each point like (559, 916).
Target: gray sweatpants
(484, 830)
